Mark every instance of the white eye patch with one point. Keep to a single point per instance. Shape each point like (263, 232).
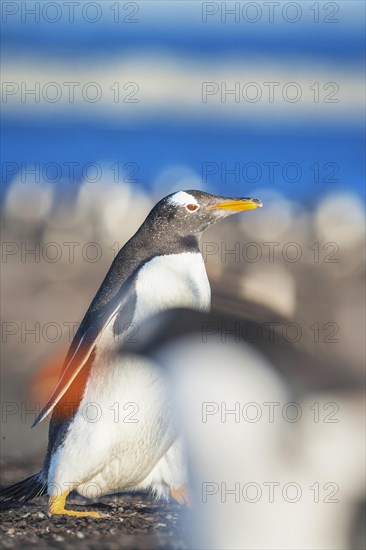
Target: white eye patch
(182, 199)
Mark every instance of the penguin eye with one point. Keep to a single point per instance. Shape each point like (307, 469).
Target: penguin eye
(192, 207)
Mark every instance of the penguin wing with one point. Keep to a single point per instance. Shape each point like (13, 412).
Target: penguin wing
(92, 327)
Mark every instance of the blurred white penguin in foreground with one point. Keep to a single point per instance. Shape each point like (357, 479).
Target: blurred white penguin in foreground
(276, 452)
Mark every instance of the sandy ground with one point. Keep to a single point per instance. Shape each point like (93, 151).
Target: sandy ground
(131, 521)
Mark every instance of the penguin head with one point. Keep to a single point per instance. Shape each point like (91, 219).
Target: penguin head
(192, 212)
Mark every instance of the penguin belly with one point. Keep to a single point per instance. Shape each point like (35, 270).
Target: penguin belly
(124, 424)
(123, 435)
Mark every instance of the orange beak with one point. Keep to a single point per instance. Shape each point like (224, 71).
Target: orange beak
(238, 205)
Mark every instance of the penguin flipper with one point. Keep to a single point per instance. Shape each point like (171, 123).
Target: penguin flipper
(76, 363)
(82, 347)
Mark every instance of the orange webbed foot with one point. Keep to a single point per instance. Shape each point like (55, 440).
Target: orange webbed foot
(56, 506)
(181, 495)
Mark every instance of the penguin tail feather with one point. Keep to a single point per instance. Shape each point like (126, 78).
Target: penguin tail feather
(23, 491)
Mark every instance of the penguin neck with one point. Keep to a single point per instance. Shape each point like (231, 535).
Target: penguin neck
(165, 242)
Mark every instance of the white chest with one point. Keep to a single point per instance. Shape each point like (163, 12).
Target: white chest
(176, 280)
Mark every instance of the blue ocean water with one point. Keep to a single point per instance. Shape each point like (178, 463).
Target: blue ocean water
(303, 161)
(302, 165)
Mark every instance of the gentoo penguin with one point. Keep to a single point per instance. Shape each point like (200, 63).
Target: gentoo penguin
(112, 426)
